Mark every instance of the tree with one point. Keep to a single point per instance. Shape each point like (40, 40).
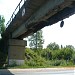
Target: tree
(47, 54)
(53, 46)
(2, 26)
(68, 53)
(73, 57)
(70, 47)
(3, 55)
(36, 40)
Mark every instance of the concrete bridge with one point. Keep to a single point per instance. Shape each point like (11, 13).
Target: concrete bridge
(29, 17)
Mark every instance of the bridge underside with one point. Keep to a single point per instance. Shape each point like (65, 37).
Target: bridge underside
(65, 13)
(39, 14)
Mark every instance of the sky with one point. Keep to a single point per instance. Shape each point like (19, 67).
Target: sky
(62, 36)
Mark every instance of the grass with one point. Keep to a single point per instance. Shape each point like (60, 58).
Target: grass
(46, 64)
(27, 67)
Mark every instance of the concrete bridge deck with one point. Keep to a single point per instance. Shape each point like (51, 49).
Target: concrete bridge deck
(36, 14)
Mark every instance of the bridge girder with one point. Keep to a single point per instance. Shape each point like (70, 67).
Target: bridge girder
(50, 12)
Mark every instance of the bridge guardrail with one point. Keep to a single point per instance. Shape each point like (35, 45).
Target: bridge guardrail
(15, 12)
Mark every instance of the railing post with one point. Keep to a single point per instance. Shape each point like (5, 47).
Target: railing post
(19, 6)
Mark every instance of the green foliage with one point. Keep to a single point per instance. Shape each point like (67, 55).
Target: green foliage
(36, 40)
(47, 54)
(70, 47)
(58, 54)
(2, 59)
(2, 26)
(68, 53)
(3, 53)
(66, 63)
(47, 57)
(73, 58)
(56, 63)
(53, 46)
(65, 54)
(32, 58)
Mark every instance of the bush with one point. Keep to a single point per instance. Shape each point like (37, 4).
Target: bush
(33, 59)
(64, 53)
(68, 53)
(2, 59)
(55, 63)
(47, 54)
(73, 58)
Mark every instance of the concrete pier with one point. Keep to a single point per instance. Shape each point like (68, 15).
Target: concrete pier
(16, 51)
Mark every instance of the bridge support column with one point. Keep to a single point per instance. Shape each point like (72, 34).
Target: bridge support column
(16, 50)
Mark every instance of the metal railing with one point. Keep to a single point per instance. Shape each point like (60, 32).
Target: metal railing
(15, 12)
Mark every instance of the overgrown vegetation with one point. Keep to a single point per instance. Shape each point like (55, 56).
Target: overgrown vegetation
(3, 52)
(2, 26)
(48, 58)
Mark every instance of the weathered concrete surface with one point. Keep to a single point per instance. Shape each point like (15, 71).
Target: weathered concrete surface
(38, 14)
(16, 50)
(43, 13)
